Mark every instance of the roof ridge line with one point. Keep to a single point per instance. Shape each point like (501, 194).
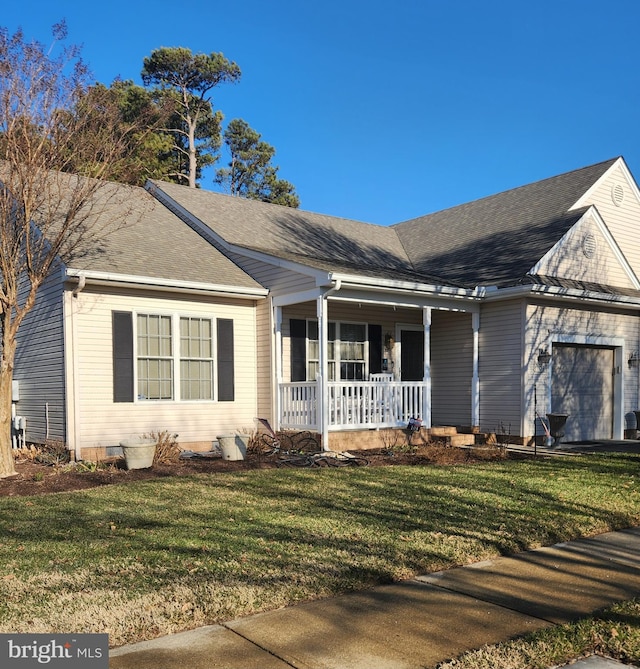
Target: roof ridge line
(610, 161)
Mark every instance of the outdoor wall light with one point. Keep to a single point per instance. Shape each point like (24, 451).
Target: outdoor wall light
(388, 341)
(544, 358)
(634, 360)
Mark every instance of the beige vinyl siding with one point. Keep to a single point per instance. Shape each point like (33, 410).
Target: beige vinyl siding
(264, 341)
(551, 323)
(279, 280)
(622, 220)
(39, 365)
(500, 364)
(585, 254)
(104, 423)
(451, 368)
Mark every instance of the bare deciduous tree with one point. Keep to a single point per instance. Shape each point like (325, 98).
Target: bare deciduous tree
(48, 214)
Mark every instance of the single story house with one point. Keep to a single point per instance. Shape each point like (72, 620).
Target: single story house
(210, 310)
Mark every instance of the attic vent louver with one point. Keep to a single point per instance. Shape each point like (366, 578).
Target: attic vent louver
(617, 194)
(589, 245)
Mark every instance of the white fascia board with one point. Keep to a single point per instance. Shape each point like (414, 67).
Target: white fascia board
(633, 186)
(185, 215)
(321, 278)
(585, 199)
(352, 288)
(391, 285)
(593, 213)
(287, 299)
(558, 293)
(408, 300)
(108, 278)
(617, 251)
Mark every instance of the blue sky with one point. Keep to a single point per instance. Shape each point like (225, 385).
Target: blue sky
(384, 111)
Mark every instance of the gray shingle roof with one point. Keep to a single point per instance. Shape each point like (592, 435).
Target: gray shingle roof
(497, 239)
(154, 242)
(491, 241)
(320, 241)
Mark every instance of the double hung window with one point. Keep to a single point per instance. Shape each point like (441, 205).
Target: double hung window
(347, 349)
(353, 342)
(155, 357)
(175, 357)
(196, 359)
(313, 347)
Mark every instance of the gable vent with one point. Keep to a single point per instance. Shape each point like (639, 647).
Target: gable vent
(617, 194)
(589, 245)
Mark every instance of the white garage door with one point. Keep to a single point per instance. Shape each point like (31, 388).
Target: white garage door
(582, 386)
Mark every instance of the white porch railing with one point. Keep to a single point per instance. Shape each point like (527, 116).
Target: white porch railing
(298, 405)
(361, 404)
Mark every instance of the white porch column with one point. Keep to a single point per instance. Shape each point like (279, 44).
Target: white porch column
(278, 375)
(475, 381)
(426, 409)
(323, 389)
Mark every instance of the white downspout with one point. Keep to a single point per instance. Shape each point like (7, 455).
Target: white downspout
(276, 314)
(426, 339)
(475, 381)
(82, 281)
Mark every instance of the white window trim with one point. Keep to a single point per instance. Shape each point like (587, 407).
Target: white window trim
(337, 360)
(176, 358)
(212, 359)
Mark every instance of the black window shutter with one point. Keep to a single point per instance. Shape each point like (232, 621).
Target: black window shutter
(298, 329)
(375, 349)
(226, 383)
(122, 332)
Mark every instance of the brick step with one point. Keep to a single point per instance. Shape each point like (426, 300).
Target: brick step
(442, 431)
(454, 440)
(463, 440)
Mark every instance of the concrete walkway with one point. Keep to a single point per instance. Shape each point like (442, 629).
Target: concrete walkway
(416, 623)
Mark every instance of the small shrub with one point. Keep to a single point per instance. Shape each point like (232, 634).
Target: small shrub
(391, 441)
(405, 447)
(503, 436)
(167, 448)
(53, 453)
(87, 466)
(256, 444)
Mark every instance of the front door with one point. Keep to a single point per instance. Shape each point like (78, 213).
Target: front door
(411, 355)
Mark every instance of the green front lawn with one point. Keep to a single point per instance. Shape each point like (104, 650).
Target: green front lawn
(613, 633)
(138, 560)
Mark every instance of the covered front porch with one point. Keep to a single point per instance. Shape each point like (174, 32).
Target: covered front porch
(359, 360)
(379, 403)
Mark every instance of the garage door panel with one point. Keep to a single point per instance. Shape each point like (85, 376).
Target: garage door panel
(582, 386)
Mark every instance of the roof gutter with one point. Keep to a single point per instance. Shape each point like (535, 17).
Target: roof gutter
(377, 284)
(492, 294)
(110, 279)
(337, 284)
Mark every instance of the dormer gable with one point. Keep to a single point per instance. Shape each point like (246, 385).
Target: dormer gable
(617, 198)
(588, 253)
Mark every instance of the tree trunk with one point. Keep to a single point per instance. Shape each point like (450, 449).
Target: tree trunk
(7, 462)
(193, 161)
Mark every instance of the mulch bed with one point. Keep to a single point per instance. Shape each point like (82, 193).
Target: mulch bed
(36, 478)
